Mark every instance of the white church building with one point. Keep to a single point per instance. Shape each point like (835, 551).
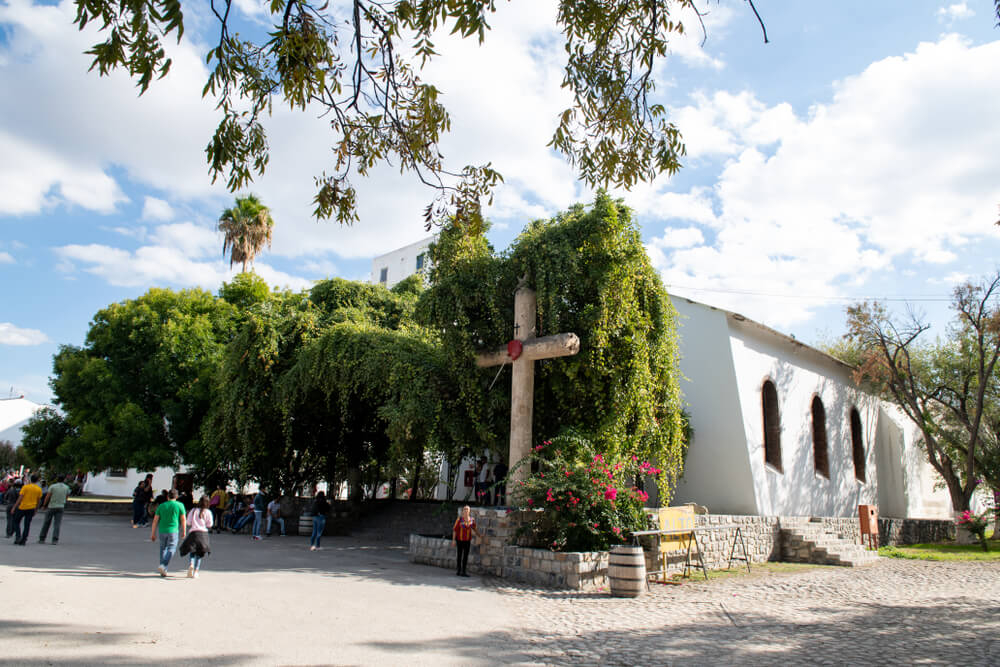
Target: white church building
(781, 428)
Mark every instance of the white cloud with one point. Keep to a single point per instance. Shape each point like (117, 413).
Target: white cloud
(959, 10)
(191, 239)
(680, 238)
(14, 335)
(6, 258)
(899, 167)
(157, 210)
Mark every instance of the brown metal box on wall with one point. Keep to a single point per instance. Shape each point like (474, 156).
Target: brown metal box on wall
(868, 516)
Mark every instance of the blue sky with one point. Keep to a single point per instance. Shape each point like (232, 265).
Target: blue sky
(856, 155)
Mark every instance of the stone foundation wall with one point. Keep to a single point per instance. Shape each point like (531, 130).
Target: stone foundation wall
(497, 553)
(914, 531)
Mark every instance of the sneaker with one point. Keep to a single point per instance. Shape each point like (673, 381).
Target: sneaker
(312, 548)
(256, 537)
(195, 574)
(190, 571)
(55, 542)
(162, 570)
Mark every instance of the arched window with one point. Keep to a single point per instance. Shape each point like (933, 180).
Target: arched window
(772, 424)
(821, 463)
(857, 445)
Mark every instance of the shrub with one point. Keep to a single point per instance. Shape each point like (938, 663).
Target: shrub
(585, 502)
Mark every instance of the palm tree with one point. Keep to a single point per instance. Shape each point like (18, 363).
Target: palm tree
(247, 227)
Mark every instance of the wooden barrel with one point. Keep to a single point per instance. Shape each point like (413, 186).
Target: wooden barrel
(627, 571)
(306, 524)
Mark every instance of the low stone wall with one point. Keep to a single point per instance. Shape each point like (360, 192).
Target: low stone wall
(914, 531)
(540, 567)
(80, 506)
(579, 571)
(497, 553)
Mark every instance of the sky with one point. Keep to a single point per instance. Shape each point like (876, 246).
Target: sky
(854, 156)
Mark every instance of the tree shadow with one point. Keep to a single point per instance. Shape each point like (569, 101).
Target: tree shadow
(960, 631)
(56, 635)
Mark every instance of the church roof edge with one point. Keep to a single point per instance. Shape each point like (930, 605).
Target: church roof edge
(743, 320)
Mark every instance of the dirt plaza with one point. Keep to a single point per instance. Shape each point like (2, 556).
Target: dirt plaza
(96, 599)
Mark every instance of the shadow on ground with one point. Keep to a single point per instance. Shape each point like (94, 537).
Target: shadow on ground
(956, 632)
(60, 635)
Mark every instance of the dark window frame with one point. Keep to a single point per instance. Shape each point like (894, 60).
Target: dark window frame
(383, 275)
(857, 444)
(771, 424)
(821, 445)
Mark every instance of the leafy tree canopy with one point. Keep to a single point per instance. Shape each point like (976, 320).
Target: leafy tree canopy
(948, 387)
(592, 277)
(360, 62)
(46, 435)
(137, 390)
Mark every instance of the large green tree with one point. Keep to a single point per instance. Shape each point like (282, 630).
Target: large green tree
(137, 390)
(45, 436)
(948, 387)
(592, 277)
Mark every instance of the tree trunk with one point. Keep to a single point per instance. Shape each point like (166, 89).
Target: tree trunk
(416, 477)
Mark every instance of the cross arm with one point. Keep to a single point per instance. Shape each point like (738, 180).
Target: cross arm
(547, 347)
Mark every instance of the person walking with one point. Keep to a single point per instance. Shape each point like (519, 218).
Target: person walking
(199, 522)
(274, 514)
(461, 537)
(54, 504)
(320, 508)
(9, 499)
(170, 519)
(24, 509)
(259, 507)
(218, 503)
(140, 500)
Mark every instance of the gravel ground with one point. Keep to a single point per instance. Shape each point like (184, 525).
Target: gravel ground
(95, 599)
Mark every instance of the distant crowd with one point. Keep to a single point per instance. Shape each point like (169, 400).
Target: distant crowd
(26, 493)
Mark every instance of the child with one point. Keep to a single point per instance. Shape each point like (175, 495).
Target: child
(461, 536)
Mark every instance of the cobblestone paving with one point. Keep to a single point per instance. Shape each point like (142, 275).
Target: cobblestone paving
(895, 612)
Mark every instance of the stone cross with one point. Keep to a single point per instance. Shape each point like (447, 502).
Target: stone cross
(523, 375)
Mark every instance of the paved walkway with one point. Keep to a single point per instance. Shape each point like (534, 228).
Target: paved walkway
(95, 599)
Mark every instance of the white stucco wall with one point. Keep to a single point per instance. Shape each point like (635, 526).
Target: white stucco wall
(14, 414)
(915, 490)
(103, 485)
(400, 263)
(799, 373)
(717, 470)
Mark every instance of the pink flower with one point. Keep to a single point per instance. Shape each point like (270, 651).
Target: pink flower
(567, 473)
(548, 496)
(530, 502)
(611, 493)
(616, 530)
(597, 525)
(598, 457)
(634, 458)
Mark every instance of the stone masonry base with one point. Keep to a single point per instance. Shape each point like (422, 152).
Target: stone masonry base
(497, 553)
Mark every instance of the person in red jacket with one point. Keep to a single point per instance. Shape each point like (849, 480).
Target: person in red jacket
(461, 536)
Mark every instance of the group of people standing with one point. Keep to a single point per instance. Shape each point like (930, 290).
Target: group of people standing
(491, 482)
(187, 530)
(23, 498)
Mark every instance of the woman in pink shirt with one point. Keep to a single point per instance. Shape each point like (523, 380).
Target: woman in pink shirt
(199, 522)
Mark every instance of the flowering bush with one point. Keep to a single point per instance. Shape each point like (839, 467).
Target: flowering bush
(975, 524)
(588, 503)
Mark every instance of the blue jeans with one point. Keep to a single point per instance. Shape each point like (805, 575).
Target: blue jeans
(168, 547)
(258, 516)
(195, 561)
(319, 523)
(242, 521)
(56, 513)
(279, 521)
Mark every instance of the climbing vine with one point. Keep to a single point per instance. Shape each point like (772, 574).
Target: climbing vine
(592, 277)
